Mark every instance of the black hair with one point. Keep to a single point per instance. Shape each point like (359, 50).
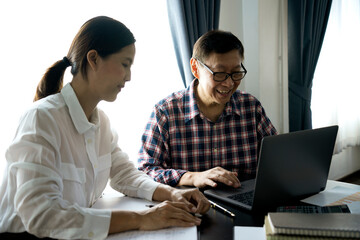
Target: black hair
(103, 34)
(217, 41)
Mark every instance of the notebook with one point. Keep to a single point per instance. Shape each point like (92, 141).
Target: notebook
(339, 225)
(290, 166)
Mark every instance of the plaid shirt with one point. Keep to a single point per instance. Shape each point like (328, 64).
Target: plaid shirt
(179, 138)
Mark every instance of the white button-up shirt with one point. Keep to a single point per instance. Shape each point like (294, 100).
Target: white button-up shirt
(57, 167)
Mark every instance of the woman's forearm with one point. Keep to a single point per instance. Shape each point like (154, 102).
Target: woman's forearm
(123, 221)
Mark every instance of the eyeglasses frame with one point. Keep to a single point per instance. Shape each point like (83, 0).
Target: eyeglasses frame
(227, 74)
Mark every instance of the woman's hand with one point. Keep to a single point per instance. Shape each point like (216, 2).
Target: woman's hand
(163, 215)
(167, 214)
(177, 209)
(194, 200)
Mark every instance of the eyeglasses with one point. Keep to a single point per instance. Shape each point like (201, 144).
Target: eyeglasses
(222, 76)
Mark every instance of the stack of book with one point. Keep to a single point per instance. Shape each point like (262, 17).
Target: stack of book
(285, 225)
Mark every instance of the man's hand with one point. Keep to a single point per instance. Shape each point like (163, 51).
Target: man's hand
(210, 178)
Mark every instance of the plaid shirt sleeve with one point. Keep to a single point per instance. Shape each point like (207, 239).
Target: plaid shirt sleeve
(264, 125)
(154, 151)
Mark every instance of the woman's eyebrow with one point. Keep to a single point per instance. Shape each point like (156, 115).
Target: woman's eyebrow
(129, 59)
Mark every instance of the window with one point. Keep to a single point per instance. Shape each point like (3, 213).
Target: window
(35, 34)
(336, 98)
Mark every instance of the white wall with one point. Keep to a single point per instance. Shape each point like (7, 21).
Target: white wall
(345, 163)
(261, 25)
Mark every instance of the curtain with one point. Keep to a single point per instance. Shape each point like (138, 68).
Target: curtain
(307, 20)
(336, 86)
(189, 19)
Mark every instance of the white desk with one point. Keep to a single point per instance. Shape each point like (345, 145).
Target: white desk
(216, 225)
(332, 183)
(120, 202)
(337, 193)
(258, 233)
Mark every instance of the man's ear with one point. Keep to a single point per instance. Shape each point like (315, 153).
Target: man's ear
(194, 67)
(92, 58)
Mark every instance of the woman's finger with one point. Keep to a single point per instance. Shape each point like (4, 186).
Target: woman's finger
(177, 211)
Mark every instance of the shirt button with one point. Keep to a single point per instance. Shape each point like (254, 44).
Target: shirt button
(215, 149)
(91, 234)
(89, 141)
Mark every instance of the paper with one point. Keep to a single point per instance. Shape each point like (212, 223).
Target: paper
(354, 207)
(123, 203)
(355, 197)
(136, 204)
(253, 233)
(163, 234)
(337, 195)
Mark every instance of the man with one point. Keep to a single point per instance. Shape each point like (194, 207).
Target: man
(209, 132)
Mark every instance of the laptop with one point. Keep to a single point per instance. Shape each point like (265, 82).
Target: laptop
(290, 167)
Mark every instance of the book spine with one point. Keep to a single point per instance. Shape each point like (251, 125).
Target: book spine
(320, 233)
(298, 237)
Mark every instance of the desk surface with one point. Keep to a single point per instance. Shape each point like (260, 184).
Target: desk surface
(216, 225)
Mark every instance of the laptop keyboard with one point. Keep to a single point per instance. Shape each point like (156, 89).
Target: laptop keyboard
(314, 209)
(246, 198)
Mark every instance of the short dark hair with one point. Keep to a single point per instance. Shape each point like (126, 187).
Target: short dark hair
(217, 41)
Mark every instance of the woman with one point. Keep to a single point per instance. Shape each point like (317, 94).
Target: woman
(64, 151)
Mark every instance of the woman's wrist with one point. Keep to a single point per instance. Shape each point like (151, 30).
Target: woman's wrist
(124, 221)
(163, 192)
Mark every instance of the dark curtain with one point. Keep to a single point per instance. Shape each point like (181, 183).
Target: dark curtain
(189, 19)
(307, 21)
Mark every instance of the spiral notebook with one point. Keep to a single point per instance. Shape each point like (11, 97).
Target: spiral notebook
(341, 225)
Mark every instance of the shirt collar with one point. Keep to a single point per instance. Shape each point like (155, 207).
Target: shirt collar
(233, 107)
(77, 113)
(192, 109)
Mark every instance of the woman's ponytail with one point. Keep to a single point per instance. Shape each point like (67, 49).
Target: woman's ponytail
(103, 34)
(52, 81)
